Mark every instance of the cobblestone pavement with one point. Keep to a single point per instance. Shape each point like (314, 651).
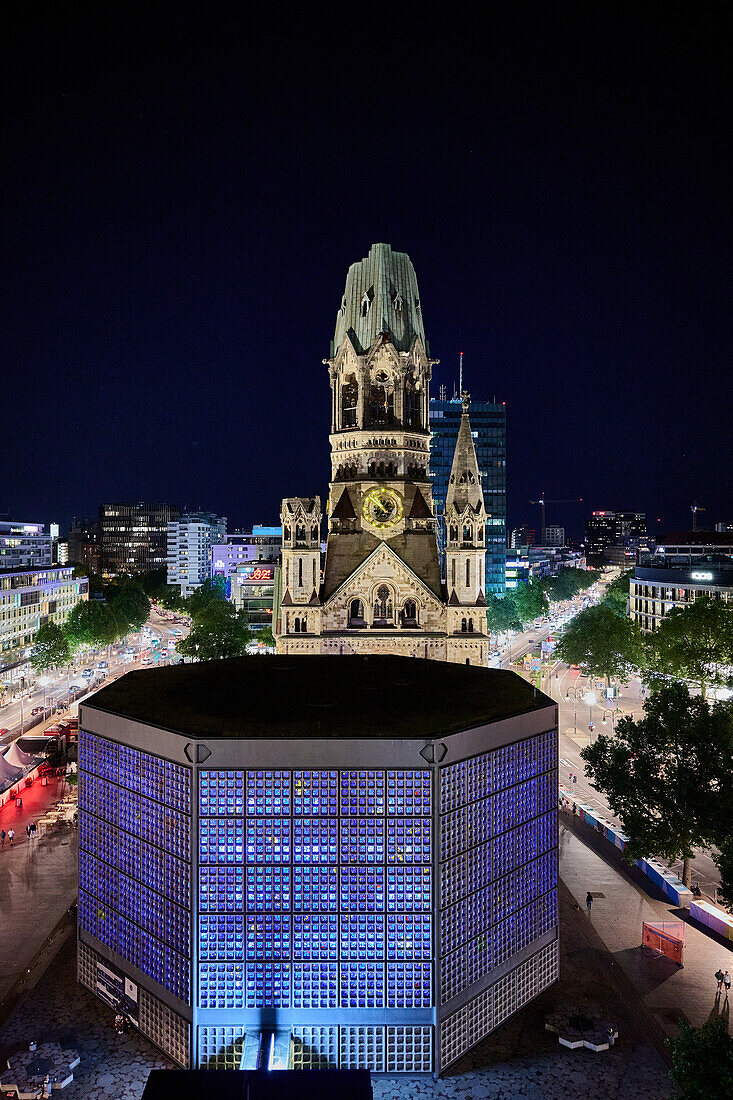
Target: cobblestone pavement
(521, 1060)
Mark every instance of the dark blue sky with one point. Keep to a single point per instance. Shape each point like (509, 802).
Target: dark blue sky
(182, 200)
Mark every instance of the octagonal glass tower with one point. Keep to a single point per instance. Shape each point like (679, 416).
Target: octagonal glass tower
(355, 854)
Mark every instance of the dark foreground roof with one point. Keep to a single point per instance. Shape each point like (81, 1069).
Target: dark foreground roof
(304, 696)
(227, 1084)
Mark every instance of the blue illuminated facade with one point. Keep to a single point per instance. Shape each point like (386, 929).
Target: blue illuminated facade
(386, 917)
(488, 427)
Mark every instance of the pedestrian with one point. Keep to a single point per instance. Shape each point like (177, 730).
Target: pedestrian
(28, 830)
(719, 978)
(589, 902)
(575, 808)
(11, 835)
(2, 838)
(33, 830)
(575, 779)
(726, 983)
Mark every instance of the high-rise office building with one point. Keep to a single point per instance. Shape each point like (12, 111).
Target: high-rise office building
(488, 428)
(521, 536)
(134, 537)
(24, 545)
(554, 536)
(611, 528)
(190, 539)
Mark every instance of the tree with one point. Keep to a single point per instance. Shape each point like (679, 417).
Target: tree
(617, 594)
(501, 613)
(265, 635)
(693, 643)
(50, 648)
(702, 1059)
(91, 623)
(668, 775)
(206, 593)
(130, 606)
(568, 583)
(601, 643)
(530, 600)
(218, 631)
(724, 863)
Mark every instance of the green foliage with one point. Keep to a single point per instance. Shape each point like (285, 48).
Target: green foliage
(530, 600)
(568, 583)
(91, 623)
(669, 775)
(693, 643)
(501, 613)
(601, 643)
(265, 635)
(156, 587)
(702, 1060)
(617, 594)
(50, 648)
(130, 606)
(218, 631)
(724, 863)
(208, 592)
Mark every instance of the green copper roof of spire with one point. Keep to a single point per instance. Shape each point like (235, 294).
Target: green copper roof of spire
(381, 295)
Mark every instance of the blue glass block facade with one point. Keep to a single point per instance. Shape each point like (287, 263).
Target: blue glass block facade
(333, 870)
(135, 858)
(488, 426)
(498, 852)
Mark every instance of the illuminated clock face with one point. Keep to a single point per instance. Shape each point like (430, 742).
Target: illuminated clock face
(383, 507)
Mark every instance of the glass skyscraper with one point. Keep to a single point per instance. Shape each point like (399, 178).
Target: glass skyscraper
(488, 427)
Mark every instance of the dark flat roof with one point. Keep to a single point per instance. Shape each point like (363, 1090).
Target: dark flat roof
(313, 696)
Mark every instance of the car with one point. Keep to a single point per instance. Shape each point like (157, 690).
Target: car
(37, 710)
(164, 652)
(177, 633)
(102, 664)
(4, 730)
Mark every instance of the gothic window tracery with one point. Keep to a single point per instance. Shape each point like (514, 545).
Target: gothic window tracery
(409, 613)
(383, 609)
(381, 400)
(349, 402)
(412, 405)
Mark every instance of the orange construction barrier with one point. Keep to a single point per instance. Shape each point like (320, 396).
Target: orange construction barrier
(665, 937)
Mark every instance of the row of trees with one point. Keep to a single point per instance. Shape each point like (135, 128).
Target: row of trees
(91, 624)
(529, 600)
(692, 644)
(218, 630)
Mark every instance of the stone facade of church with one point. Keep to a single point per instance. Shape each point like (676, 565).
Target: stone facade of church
(380, 590)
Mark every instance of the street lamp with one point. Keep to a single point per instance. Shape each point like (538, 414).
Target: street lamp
(590, 698)
(612, 712)
(45, 680)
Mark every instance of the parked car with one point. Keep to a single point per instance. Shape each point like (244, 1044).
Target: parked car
(102, 664)
(37, 710)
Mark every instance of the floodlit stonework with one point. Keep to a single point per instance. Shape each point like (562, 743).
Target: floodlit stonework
(381, 590)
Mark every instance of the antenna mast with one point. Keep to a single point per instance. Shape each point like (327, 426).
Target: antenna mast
(460, 375)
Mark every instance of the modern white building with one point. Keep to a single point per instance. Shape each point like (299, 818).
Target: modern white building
(190, 539)
(28, 599)
(24, 545)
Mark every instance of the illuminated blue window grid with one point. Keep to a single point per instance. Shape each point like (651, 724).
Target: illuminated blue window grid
(362, 889)
(477, 868)
(409, 890)
(221, 889)
(453, 927)
(315, 985)
(268, 936)
(409, 936)
(315, 793)
(269, 889)
(362, 793)
(221, 840)
(408, 792)
(268, 793)
(478, 912)
(107, 759)
(129, 940)
(268, 840)
(316, 890)
(408, 985)
(107, 884)
(315, 936)
(478, 958)
(362, 840)
(362, 936)
(221, 985)
(315, 840)
(129, 768)
(221, 794)
(547, 915)
(409, 840)
(268, 983)
(362, 985)
(478, 822)
(221, 936)
(129, 898)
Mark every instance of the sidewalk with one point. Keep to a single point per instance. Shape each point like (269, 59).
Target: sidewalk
(38, 881)
(620, 906)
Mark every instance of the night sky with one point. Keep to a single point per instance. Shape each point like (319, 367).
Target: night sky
(182, 200)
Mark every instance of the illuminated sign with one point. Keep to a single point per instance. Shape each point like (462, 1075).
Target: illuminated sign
(253, 573)
(701, 576)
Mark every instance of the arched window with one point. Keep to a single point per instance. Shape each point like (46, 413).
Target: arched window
(463, 626)
(286, 534)
(454, 534)
(453, 572)
(468, 572)
(412, 405)
(381, 400)
(467, 533)
(349, 402)
(314, 534)
(470, 626)
(300, 534)
(383, 605)
(304, 625)
(300, 572)
(480, 534)
(356, 613)
(296, 626)
(409, 613)
(287, 574)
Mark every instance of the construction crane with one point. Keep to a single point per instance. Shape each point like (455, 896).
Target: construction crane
(695, 508)
(546, 500)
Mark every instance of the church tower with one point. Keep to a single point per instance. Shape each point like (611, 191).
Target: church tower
(381, 589)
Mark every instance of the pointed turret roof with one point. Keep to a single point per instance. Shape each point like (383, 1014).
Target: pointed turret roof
(381, 296)
(464, 486)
